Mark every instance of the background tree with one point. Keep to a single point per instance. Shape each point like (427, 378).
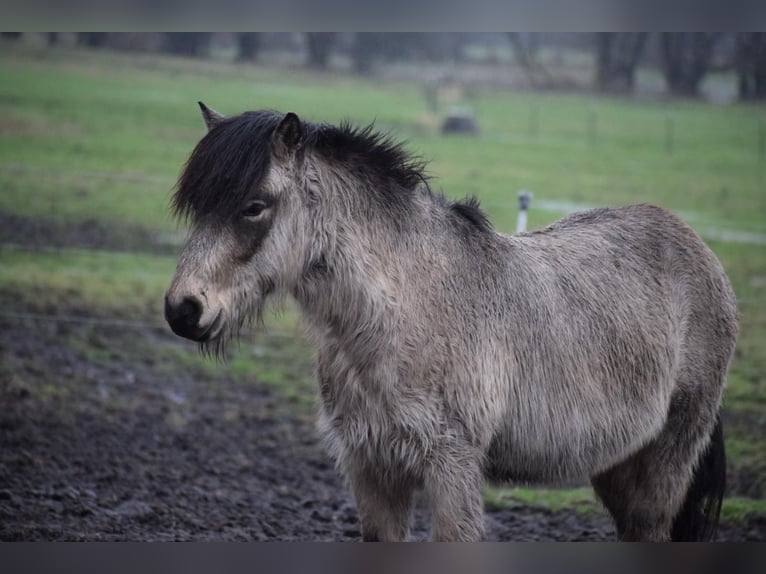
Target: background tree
(453, 44)
(371, 47)
(366, 48)
(526, 51)
(685, 59)
(92, 39)
(750, 62)
(617, 55)
(192, 44)
(319, 46)
(249, 45)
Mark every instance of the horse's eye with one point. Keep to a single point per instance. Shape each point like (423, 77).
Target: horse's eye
(254, 209)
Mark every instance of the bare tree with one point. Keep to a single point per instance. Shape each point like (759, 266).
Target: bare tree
(750, 61)
(370, 47)
(92, 39)
(192, 44)
(249, 45)
(526, 50)
(617, 55)
(319, 45)
(454, 43)
(686, 57)
(365, 50)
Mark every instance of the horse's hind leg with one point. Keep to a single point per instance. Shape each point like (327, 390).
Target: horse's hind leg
(646, 492)
(642, 495)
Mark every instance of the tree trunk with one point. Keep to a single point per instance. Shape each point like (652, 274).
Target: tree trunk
(365, 50)
(249, 45)
(686, 58)
(191, 44)
(525, 50)
(319, 45)
(617, 55)
(750, 60)
(92, 39)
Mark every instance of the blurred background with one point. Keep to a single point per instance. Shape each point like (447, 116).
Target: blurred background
(112, 428)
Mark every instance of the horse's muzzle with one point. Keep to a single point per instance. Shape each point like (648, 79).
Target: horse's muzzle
(184, 319)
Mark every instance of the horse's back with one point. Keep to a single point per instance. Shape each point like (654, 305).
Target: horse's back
(642, 240)
(666, 249)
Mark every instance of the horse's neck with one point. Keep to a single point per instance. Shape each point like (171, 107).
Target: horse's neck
(356, 297)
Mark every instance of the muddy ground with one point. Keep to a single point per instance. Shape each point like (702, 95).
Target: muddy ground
(103, 436)
(94, 450)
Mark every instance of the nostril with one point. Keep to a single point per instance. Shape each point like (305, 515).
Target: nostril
(184, 316)
(190, 311)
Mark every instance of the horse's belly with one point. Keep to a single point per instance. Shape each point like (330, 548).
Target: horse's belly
(559, 443)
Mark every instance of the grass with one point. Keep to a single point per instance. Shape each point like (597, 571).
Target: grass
(583, 502)
(737, 509)
(135, 116)
(124, 286)
(92, 135)
(579, 500)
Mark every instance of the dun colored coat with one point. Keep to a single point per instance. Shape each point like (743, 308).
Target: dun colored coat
(450, 354)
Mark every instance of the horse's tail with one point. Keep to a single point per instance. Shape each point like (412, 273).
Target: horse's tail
(698, 519)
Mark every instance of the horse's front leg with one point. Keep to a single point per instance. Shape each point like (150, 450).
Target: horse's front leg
(384, 505)
(454, 486)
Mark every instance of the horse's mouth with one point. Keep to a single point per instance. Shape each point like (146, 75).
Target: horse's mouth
(213, 330)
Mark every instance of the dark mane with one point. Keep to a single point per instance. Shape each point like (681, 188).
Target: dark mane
(471, 212)
(375, 155)
(226, 165)
(369, 154)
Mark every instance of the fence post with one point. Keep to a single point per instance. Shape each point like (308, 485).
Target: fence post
(525, 199)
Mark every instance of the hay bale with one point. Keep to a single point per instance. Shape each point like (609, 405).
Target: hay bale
(460, 121)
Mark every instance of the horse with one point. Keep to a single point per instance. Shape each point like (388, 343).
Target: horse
(449, 354)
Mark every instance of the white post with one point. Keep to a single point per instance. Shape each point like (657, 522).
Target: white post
(525, 198)
(521, 221)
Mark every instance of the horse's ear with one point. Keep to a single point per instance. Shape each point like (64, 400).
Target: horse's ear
(288, 134)
(211, 117)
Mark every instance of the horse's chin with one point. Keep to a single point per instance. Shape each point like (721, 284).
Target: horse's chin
(214, 346)
(213, 340)
(226, 327)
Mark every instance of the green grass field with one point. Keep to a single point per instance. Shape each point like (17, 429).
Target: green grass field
(97, 136)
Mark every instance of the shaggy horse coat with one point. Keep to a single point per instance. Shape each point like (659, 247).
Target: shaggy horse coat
(448, 353)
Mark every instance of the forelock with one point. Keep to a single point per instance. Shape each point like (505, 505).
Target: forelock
(226, 166)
